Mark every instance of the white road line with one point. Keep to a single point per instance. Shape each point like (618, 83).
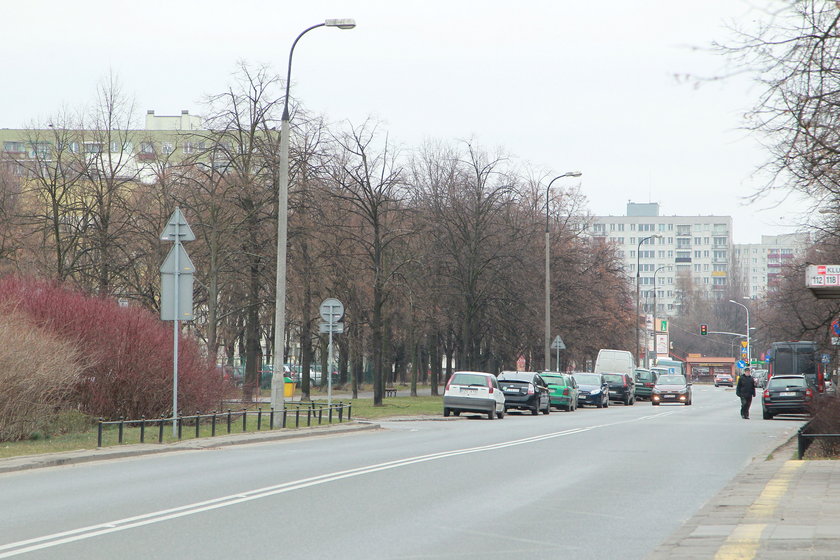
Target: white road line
(47, 541)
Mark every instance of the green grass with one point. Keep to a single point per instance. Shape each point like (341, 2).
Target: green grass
(87, 439)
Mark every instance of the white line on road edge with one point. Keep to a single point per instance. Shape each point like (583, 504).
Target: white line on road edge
(56, 539)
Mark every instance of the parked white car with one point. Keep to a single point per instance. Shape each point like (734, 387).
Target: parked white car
(474, 391)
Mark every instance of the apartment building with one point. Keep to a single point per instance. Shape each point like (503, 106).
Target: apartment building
(137, 154)
(758, 265)
(669, 253)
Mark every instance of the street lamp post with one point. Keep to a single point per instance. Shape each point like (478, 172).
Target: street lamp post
(647, 362)
(749, 348)
(547, 363)
(638, 281)
(277, 382)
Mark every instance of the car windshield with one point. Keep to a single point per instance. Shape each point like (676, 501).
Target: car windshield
(644, 375)
(782, 382)
(522, 376)
(469, 379)
(554, 379)
(613, 378)
(671, 380)
(588, 379)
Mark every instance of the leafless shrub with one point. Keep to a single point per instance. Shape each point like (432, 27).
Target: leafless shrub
(37, 374)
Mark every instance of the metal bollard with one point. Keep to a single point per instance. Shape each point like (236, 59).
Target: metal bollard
(143, 429)
(99, 434)
(284, 418)
(297, 418)
(244, 420)
(259, 419)
(228, 421)
(271, 418)
(180, 422)
(197, 422)
(330, 414)
(308, 416)
(122, 424)
(160, 431)
(213, 423)
(340, 414)
(349, 410)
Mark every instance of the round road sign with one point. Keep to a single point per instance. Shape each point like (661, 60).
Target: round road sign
(331, 310)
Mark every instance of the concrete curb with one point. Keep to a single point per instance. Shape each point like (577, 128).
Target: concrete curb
(27, 462)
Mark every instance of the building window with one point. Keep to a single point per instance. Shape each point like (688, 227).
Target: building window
(93, 147)
(147, 148)
(167, 148)
(18, 147)
(620, 227)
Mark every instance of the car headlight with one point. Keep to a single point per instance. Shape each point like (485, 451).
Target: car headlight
(594, 391)
(656, 391)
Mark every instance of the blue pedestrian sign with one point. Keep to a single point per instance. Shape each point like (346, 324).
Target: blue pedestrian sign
(741, 364)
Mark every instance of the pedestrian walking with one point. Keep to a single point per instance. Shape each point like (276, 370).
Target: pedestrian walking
(746, 390)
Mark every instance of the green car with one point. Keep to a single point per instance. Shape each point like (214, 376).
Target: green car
(563, 390)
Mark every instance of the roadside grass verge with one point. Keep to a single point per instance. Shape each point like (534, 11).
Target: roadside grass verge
(87, 438)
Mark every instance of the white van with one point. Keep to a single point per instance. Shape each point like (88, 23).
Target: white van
(615, 361)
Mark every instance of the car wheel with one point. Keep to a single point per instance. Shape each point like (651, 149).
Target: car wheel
(445, 412)
(500, 414)
(766, 415)
(654, 403)
(456, 412)
(626, 401)
(547, 409)
(535, 411)
(600, 404)
(491, 414)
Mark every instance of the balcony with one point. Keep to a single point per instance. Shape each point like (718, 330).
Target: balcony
(682, 260)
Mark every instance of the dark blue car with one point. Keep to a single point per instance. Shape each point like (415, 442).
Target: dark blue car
(594, 389)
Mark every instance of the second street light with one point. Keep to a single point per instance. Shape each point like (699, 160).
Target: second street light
(638, 281)
(547, 363)
(277, 382)
(655, 272)
(747, 309)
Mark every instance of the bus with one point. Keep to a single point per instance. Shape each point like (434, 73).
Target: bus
(800, 357)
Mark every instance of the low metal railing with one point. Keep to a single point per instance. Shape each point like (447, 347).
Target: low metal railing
(804, 439)
(293, 415)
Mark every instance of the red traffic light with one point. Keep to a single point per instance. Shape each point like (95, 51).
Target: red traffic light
(704, 329)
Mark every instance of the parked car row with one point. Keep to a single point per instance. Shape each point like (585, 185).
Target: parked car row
(535, 392)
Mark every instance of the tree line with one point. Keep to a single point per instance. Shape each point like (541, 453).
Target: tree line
(436, 252)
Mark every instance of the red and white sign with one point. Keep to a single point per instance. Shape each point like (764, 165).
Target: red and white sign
(822, 276)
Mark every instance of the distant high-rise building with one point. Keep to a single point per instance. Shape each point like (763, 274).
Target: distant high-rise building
(760, 264)
(691, 251)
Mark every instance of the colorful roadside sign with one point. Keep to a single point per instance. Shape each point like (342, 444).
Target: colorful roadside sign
(835, 327)
(741, 364)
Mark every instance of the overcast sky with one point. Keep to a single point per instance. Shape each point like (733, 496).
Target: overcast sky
(599, 87)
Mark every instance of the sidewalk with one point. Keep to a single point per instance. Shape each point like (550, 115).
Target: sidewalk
(777, 508)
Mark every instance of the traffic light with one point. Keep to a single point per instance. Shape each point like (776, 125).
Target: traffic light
(704, 329)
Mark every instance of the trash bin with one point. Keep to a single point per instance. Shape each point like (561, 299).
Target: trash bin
(288, 387)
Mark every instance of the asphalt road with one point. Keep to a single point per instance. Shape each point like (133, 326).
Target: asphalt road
(596, 483)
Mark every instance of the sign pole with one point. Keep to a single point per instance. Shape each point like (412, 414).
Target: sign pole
(177, 306)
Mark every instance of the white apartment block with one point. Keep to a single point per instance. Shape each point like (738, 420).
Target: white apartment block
(759, 264)
(695, 249)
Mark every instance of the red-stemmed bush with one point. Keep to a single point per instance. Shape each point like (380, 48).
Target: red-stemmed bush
(127, 352)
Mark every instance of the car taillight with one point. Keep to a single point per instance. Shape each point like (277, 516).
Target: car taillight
(625, 381)
(448, 383)
(808, 393)
(767, 394)
(490, 385)
(566, 391)
(530, 389)
(648, 384)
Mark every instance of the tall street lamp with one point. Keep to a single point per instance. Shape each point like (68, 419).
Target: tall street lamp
(638, 280)
(655, 272)
(747, 309)
(547, 363)
(277, 385)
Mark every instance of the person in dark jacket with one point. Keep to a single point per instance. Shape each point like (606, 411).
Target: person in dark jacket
(746, 390)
